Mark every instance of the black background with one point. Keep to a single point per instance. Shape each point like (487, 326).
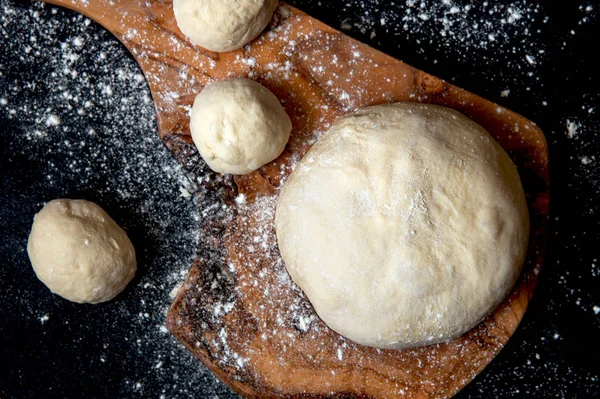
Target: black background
(547, 62)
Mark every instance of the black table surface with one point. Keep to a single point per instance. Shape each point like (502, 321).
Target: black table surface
(77, 120)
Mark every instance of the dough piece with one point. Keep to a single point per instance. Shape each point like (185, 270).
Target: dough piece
(223, 25)
(405, 225)
(79, 252)
(238, 126)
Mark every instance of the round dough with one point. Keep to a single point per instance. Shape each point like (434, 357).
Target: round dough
(405, 225)
(238, 126)
(79, 252)
(223, 25)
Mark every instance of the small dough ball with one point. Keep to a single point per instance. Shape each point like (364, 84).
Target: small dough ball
(405, 225)
(79, 252)
(223, 25)
(238, 126)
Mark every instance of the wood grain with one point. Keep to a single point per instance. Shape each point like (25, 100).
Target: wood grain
(319, 74)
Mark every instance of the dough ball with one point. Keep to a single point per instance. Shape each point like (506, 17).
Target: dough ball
(238, 126)
(223, 25)
(405, 225)
(79, 252)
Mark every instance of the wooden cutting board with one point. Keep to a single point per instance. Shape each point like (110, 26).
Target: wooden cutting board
(238, 311)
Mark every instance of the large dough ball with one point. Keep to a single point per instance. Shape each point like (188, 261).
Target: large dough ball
(405, 225)
(223, 25)
(238, 126)
(79, 252)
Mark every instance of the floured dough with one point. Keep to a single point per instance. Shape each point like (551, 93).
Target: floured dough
(405, 225)
(79, 252)
(223, 25)
(238, 125)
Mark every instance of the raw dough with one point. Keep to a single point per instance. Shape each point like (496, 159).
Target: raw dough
(238, 126)
(223, 25)
(405, 225)
(79, 252)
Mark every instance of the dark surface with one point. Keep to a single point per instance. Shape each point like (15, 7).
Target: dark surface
(543, 53)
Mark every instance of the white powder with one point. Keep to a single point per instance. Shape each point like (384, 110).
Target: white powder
(52, 120)
(572, 129)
